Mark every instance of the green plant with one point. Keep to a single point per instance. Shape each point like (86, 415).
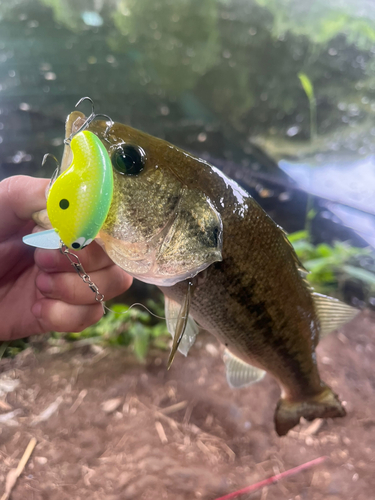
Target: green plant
(330, 266)
(125, 326)
(309, 91)
(9, 349)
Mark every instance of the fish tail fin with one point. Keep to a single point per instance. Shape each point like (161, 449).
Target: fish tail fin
(323, 405)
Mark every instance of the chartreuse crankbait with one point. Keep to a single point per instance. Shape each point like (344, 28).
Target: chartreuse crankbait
(79, 200)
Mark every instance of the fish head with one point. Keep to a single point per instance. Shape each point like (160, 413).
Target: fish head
(161, 226)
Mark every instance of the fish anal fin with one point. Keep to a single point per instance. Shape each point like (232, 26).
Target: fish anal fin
(332, 313)
(240, 373)
(324, 405)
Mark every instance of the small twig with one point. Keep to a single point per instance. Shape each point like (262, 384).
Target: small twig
(8, 418)
(4, 405)
(264, 494)
(273, 479)
(14, 474)
(203, 447)
(188, 412)
(81, 396)
(171, 409)
(99, 356)
(229, 452)
(161, 433)
(48, 412)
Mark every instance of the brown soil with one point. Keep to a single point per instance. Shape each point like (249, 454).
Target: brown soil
(117, 433)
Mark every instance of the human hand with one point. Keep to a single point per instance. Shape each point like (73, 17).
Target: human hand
(39, 290)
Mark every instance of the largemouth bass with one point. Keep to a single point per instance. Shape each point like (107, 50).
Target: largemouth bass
(179, 223)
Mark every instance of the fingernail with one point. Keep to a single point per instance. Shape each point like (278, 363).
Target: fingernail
(37, 310)
(44, 282)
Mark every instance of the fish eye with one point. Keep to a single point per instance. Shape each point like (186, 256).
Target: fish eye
(128, 159)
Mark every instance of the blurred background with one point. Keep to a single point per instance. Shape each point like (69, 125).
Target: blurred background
(279, 94)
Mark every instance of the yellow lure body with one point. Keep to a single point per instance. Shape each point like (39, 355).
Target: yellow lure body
(79, 200)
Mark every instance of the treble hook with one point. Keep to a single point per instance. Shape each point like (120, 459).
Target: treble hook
(57, 171)
(89, 120)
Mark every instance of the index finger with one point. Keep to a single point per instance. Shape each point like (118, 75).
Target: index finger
(20, 197)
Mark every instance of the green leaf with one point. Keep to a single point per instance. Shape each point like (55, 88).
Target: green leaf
(316, 265)
(325, 250)
(361, 274)
(141, 342)
(307, 85)
(298, 235)
(3, 348)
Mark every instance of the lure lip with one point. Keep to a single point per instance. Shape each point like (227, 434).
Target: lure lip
(48, 240)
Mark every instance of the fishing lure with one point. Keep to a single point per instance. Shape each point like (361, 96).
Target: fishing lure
(79, 200)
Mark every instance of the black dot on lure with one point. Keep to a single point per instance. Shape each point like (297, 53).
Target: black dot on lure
(128, 159)
(76, 245)
(64, 204)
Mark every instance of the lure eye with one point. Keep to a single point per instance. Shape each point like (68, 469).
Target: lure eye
(129, 160)
(78, 243)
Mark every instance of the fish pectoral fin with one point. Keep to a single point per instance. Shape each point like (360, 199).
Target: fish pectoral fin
(332, 313)
(172, 308)
(181, 326)
(240, 373)
(49, 239)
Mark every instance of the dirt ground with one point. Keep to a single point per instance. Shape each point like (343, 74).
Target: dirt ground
(109, 428)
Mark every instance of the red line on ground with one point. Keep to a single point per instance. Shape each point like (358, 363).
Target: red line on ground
(273, 479)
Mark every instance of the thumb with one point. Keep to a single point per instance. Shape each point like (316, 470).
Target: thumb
(20, 197)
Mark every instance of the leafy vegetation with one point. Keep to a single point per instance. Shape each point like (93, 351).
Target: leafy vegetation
(331, 266)
(229, 64)
(12, 348)
(128, 327)
(309, 91)
(121, 326)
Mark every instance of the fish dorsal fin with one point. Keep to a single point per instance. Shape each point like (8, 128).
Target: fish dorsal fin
(332, 313)
(172, 310)
(239, 373)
